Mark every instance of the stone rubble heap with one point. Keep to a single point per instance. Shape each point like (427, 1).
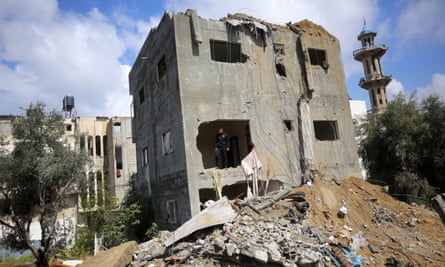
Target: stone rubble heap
(268, 230)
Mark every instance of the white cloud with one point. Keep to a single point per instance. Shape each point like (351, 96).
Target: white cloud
(422, 21)
(437, 86)
(393, 89)
(46, 54)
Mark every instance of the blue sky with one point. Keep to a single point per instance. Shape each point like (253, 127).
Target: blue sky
(85, 48)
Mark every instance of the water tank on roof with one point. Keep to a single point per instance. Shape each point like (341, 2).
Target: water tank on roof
(68, 103)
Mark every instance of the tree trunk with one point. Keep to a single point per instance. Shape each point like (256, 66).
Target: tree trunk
(42, 259)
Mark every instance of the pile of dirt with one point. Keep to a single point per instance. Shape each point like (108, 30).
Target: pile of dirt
(410, 233)
(324, 223)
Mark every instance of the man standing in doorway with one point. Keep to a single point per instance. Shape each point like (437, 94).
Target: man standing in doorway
(222, 146)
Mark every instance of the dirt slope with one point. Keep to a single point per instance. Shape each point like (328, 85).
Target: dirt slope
(409, 233)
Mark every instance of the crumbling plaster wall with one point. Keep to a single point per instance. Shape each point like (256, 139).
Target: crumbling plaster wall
(330, 101)
(238, 91)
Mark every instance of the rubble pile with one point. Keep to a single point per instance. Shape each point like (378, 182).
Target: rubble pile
(325, 223)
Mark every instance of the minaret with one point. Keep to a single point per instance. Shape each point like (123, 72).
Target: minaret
(374, 81)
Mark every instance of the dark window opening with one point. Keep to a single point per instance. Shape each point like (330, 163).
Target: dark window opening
(104, 141)
(145, 156)
(141, 96)
(226, 52)
(118, 156)
(281, 69)
(90, 145)
(68, 127)
(318, 57)
(98, 147)
(278, 49)
(288, 124)
(162, 68)
(82, 143)
(238, 132)
(326, 130)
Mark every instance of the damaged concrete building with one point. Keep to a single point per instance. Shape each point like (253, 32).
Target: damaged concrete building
(278, 90)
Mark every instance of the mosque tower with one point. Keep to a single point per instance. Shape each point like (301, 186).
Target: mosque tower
(374, 81)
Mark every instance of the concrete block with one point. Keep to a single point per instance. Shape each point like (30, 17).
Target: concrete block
(261, 255)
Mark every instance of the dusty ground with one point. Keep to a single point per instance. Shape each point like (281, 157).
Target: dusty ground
(410, 233)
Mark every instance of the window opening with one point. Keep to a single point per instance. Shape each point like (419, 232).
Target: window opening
(141, 96)
(281, 69)
(288, 124)
(172, 210)
(82, 143)
(90, 145)
(118, 155)
(318, 57)
(117, 127)
(68, 127)
(166, 143)
(145, 156)
(226, 52)
(104, 141)
(162, 68)
(326, 130)
(97, 144)
(278, 49)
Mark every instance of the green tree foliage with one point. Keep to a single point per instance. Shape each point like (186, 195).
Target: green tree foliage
(405, 145)
(133, 220)
(35, 178)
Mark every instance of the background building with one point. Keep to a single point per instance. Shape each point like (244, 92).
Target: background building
(280, 89)
(112, 163)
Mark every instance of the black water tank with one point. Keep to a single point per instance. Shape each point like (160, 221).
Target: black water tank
(68, 103)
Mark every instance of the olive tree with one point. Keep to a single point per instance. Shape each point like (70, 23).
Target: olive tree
(404, 146)
(34, 179)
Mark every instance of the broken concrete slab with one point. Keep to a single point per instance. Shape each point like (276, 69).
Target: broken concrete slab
(219, 212)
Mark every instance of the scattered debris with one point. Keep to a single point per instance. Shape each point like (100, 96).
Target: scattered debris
(295, 228)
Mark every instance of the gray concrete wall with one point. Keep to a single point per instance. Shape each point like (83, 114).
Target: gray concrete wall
(330, 101)
(164, 178)
(250, 91)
